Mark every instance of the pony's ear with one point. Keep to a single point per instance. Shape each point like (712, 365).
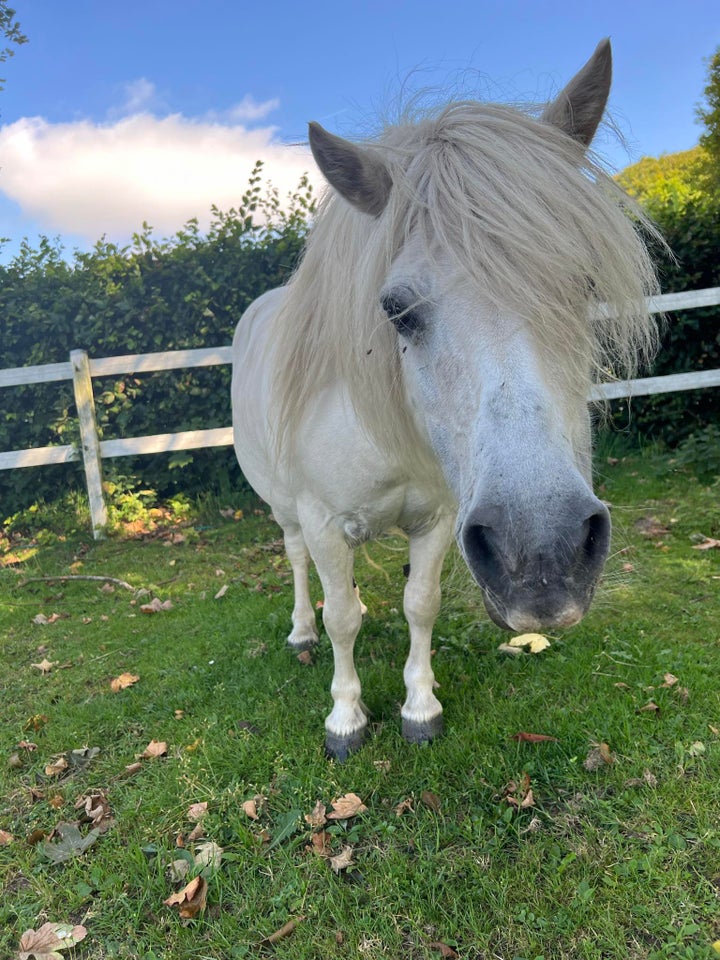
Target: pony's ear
(578, 108)
(356, 173)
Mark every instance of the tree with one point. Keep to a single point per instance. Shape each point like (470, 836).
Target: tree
(11, 31)
(709, 116)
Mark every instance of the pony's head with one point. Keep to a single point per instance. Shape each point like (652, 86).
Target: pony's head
(470, 274)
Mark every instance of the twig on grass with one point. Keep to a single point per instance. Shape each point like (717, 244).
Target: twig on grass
(84, 576)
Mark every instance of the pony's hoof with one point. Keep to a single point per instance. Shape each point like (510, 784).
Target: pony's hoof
(303, 641)
(340, 748)
(422, 731)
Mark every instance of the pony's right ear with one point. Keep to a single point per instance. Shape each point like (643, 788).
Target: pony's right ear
(356, 173)
(579, 107)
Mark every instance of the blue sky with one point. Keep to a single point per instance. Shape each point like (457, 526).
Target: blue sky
(155, 109)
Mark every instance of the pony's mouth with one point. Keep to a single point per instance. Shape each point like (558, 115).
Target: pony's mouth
(527, 621)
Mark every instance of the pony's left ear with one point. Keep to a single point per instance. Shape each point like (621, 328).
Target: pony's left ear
(357, 174)
(578, 108)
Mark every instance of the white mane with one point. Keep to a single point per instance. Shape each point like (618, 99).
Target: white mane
(522, 210)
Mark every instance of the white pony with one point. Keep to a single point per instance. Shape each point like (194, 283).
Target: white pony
(427, 367)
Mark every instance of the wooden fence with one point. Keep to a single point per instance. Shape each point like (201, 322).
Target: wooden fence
(81, 369)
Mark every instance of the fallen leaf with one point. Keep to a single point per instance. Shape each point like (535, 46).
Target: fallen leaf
(221, 592)
(444, 950)
(650, 707)
(598, 757)
(56, 766)
(56, 802)
(535, 642)
(510, 651)
(404, 806)
(26, 745)
(191, 899)
(709, 543)
(96, 810)
(45, 666)
(178, 870)
(346, 806)
(286, 929)
(15, 761)
(195, 834)
(5, 838)
(431, 800)
(524, 737)
(208, 856)
(71, 844)
(519, 795)
(155, 749)
(131, 769)
(670, 680)
(156, 606)
(305, 658)
(197, 811)
(250, 809)
(42, 620)
(383, 766)
(343, 860)
(648, 779)
(36, 722)
(123, 681)
(44, 944)
(321, 844)
(317, 817)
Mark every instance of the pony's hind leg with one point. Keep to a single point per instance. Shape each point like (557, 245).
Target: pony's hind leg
(345, 726)
(304, 633)
(422, 711)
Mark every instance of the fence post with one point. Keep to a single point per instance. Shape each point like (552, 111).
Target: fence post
(85, 402)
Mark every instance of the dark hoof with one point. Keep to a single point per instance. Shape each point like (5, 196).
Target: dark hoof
(303, 643)
(340, 748)
(424, 732)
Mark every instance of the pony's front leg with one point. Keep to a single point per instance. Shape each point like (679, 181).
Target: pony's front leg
(342, 617)
(304, 634)
(422, 711)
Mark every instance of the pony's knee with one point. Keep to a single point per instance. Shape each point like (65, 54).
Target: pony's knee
(342, 620)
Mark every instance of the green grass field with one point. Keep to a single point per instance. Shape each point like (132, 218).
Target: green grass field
(601, 843)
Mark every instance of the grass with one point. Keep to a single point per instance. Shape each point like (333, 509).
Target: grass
(620, 861)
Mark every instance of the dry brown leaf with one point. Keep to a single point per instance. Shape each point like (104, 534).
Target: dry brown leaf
(383, 766)
(191, 899)
(56, 802)
(599, 757)
(197, 811)
(346, 806)
(650, 707)
(195, 834)
(404, 806)
(709, 543)
(156, 606)
(250, 809)
(96, 810)
(221, 592)
(343, 860)
(287, 928)
(317, 818)
(5, 838)
(45, 666)
(524, 737)
(42, 620)
(321, 844)
(670, 680)
(56, 766)
(519, 794)
(431, 800)
(26, 745)
(305, 658)
(156, 748)
(131, 769)
(123, 681)
(444, 950)
(648, 779)
(650, 527)
(44, 944)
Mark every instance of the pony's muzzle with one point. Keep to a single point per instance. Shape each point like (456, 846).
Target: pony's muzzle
(541, 573)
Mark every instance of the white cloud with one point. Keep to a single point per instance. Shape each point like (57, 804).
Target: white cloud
(249, 109)
(90, 179)
(140, 96)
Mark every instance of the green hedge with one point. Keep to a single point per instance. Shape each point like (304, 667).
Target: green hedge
(155, 296)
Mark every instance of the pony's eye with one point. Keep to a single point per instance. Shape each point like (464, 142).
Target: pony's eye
(405, 320)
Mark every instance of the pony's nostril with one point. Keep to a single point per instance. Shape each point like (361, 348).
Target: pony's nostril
(597, 537)
(482, 556)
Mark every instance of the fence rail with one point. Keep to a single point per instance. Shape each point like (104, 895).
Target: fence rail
(92, 451)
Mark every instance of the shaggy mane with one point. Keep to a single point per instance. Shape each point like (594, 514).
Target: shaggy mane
(524, 212)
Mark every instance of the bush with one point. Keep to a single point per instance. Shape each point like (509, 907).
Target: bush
(175, 294)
